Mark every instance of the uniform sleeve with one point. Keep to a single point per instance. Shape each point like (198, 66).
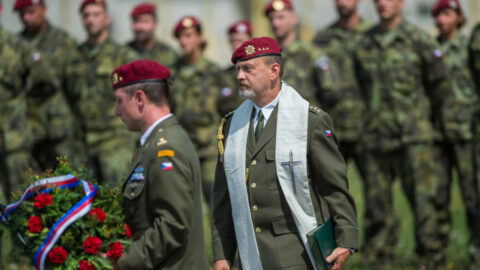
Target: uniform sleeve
(326, 78)
(329, 173)
(171, 198)
(474, 56)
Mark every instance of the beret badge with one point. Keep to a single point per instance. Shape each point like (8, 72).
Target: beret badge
(278, 5)
(187, 22)
(250, 49)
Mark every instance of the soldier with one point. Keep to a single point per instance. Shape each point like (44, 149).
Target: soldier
(47, 108)
(456, 150)
(162, 194)
(144, 17)
(238, 33)
(101, 138)
(403, 81)
(307, 68)
(195, 96)
(263, 191)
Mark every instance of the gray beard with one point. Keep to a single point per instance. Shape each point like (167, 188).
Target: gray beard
(247, 93)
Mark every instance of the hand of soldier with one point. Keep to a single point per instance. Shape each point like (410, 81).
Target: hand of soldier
(338, 257)
(112, 261)
(222, 265)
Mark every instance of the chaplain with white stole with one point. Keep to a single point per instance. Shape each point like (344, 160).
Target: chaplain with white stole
(275, 152)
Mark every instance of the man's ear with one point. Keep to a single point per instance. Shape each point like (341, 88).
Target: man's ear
(275, 71)
(140, 97)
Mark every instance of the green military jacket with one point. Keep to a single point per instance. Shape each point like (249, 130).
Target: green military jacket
(308, 69)
(160, 52)
(277, 237)
(48, 110)
(163, 203)
(462, 97)
(229, 97)
(474, 60)
(344, 103)
(403, 81)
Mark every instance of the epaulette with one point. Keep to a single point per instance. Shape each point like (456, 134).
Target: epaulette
(314, 109)
(220, 135)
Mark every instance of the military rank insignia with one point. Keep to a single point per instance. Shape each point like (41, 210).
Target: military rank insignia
(167, 166)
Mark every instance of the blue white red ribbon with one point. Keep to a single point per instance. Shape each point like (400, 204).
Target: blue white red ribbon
(77, 211)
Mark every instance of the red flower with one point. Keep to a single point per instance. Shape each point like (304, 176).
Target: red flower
(116, 250)
(128, 233)
(85, 265)
(97, 212)
(92, 244)
(42, 200)
(35, 224)
(58, 255)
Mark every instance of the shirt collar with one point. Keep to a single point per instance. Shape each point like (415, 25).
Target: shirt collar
(150, 129)
(267, 109)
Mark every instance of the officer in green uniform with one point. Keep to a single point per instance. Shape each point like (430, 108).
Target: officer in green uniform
(162, 193)
(403, 81)
(275, 232)
(195, 96)
(47, 109)
(144, 22)
(455, 151)
(306, 68)
(100, 137)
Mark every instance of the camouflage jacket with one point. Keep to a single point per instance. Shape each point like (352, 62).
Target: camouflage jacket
(194, 96)
(403, 81)
(461, 99)
(160, 52)
(48, 111)
(345, 105)
(474, 60)
(229, 98)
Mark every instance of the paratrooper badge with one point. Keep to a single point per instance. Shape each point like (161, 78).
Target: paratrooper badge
(161, 141)
(250, 49)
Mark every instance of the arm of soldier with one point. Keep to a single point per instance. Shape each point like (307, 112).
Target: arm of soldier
(326, 79)
(171, 198)
(474, 56)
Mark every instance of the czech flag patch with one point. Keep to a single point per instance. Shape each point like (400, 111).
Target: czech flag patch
(167, 166)
(328, 133)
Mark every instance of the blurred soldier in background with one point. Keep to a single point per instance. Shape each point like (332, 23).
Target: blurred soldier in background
(101, 137)
(455, 151)
(47, 108)
(403, 80)
(144, 23)
(196, 92)
(306, 68)
(238, 33)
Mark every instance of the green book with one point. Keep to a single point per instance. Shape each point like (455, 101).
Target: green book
(322, 243)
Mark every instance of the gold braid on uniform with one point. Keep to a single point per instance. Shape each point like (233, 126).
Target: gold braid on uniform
(220, 136)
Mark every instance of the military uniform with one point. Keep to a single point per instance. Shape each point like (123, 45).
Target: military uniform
(101, 138)
(403, 81)
(163, 203)
(195, 96)
(48, 112)
(160, 52)
(276, 234)
(229, 97)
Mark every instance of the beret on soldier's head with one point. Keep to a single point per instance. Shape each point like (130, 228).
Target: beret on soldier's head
(186, 22)
(444, 4)
(137, 72)
(278, 5)
(19, 4)
(87, 2)
(256, 47)
(145, 8)
(240, 27)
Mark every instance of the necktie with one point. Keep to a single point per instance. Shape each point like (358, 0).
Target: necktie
(260, 125)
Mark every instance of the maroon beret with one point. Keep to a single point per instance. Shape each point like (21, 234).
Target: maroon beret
(87, 2)
(186, 22)
(240, 27)
(137, 72)
(145, 8)
(256, 47)
(278, 5)
(444, 4)
(25, 3)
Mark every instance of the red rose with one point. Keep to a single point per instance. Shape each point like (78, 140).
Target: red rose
(58, 255)
(35, 224)
(128, 233)
(85, 265)
(97, 212)
(116, 250)
(42, 200)
(92, 244)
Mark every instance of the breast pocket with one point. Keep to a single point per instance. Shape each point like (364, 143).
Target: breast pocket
(271, 170)
(131, 194)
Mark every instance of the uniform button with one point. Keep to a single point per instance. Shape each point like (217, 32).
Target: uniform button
(254, 162)
(132, 194)
(255, 208)
(258, 230)
(253, 185)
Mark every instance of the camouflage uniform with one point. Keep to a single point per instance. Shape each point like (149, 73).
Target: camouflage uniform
(229, 97)
(160, 52)
(403, 81)
(101, 137)
(48, 111)
(195, 95)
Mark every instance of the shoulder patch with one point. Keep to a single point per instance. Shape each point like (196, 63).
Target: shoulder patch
(314, 109)
(166, 153)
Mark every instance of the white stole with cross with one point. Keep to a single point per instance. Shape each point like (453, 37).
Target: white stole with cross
(291, 166)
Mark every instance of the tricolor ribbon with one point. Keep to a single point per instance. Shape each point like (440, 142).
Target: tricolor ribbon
(77, 211)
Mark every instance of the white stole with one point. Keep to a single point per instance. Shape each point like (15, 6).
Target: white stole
(291, 137)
